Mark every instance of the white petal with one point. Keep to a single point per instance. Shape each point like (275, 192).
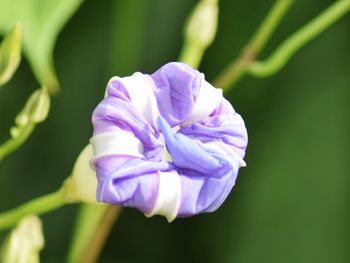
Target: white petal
(169, 196)
(110, 143)
(140, 90)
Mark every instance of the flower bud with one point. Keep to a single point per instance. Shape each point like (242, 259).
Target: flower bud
(10, 54)
(202, 24)
(24, 242)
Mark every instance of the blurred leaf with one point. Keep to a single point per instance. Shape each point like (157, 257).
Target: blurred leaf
(10, 54)
(41, 20)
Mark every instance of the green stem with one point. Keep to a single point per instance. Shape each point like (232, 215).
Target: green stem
(93, 226)
(269, 25)
(37, 206)
(14, 143)
(238, 67)
(300, 38)
(191, 54)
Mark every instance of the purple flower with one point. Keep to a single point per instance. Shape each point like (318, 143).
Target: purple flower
(166, 143)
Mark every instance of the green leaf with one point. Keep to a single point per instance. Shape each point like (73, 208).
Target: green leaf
(41, 20)
(10, 54)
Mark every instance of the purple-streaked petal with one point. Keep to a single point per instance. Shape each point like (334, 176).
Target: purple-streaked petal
(224, 124)
(128, 181)
(115, 115)
(138, 90)
(176, 88)
(186, 154)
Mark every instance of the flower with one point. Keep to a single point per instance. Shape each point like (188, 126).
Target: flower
(167, 143)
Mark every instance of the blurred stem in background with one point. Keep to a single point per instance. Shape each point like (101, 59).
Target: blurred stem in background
(37, 206)
(246, 62)
(238, 67)
(37, 106)
(93, 226)
(300, 38)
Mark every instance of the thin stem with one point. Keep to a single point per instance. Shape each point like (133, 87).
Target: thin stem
(98, 240)
(238, 67)
(13, 144)
(93, 225)
(191, 54)
(37, 206)
(269, 25)
(300, 38)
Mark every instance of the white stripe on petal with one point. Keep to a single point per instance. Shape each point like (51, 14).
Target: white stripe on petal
(110, 143)
(169, 196)
(140, 90)
(208, 99)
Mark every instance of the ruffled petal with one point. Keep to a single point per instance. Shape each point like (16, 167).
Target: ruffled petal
(207, 170)
(129, 181)
(114, 115)
(176, 88)
(223, 124)
(138, 90)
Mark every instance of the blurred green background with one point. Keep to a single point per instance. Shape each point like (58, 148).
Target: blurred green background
(291, 202)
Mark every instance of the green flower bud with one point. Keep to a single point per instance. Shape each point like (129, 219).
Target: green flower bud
(36, 108)
(202, 24)
(10, 54)
(24, 242)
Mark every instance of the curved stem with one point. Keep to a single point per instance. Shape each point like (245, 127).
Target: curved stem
(14, 143)
(99, 239)
(37, 206)
(269, 25)
(238, 67)
(300, 38)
